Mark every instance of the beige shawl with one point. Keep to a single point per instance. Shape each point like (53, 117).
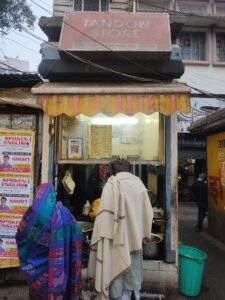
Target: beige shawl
(123, 220)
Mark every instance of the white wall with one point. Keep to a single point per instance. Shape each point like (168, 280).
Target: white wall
(207, 78)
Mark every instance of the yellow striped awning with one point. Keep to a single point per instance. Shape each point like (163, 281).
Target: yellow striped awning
(57, 99)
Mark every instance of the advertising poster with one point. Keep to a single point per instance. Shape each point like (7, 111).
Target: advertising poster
(75, 148)
(216, 171)
(16, 188)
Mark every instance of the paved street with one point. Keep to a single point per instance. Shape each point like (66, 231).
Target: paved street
(213, 287)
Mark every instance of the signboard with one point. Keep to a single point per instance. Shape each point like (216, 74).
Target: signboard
(216, 170)
(16, 188)
(88, 31)
(101, 141)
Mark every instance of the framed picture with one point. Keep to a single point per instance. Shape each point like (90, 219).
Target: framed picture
(75, 146)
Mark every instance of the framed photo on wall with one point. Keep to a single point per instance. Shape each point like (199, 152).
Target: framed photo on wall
(75, 147)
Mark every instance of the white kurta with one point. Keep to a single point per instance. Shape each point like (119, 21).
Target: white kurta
(123, 220)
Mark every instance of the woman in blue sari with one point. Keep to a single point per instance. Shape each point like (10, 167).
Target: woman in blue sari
(49, 242)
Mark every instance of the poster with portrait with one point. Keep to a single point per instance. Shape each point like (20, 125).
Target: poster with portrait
(75, 148)
(16, 188)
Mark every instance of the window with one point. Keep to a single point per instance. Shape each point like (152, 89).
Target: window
(220, 8)
(193, 7)
(91, 5)
(152, 6)
(138, 137)
(220, 47)
(193, 45)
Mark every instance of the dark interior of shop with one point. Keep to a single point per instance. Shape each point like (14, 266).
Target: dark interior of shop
(84, 201)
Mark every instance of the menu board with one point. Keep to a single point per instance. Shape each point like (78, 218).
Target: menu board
(16, 188)
(101, 141)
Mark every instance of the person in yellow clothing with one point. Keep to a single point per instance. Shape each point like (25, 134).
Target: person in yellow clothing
(124, 218)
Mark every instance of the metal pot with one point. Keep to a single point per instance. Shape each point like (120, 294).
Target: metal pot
(152, 248)
(159, 223)
(86, 226)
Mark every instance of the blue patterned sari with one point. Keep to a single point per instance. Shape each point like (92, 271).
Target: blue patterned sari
(49, 242)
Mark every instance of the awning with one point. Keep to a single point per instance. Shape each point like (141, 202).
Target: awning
(89, 99)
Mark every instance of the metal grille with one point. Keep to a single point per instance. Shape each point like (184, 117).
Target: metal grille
(90, 5)
(78, 5)
(193, 8)
(104, 5)
(220, 9)
(151, 6)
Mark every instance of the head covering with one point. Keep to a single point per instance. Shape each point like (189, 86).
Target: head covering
(119, 165)
(49, 246)
(120, 226)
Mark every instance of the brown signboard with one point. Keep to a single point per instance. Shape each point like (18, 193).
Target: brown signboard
(139, 32)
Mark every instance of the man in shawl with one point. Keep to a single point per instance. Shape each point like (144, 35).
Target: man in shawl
(124, 218)
(49, 244)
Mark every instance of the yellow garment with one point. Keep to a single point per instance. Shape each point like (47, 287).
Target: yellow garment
(123, 220)
(94, 208)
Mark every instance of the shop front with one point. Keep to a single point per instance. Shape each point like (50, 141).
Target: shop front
(212, 128)
(21, 128)
(97, 123)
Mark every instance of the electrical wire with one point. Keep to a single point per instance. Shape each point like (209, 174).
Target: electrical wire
(18, 75)
(109, 49)
(12, 68)
(27, 37)
(165, 9)
(91, 63)
(162, 75)
(40, 6)
(20, 44)
(114, 71)
(50, 6)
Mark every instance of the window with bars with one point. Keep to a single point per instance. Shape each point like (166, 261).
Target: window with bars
(91, 5)
(220, 8)
(220, 47)
(193, 7)
(193, 45)
(152, 6)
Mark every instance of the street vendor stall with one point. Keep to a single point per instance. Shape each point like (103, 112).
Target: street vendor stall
(96, 123)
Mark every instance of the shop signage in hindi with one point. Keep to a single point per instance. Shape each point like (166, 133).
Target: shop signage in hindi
(119, 31)
(216, 171)
(16, 188)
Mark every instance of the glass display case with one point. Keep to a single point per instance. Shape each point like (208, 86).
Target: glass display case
(136, 138)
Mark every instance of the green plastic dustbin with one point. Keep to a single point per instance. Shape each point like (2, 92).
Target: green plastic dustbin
(191, 268)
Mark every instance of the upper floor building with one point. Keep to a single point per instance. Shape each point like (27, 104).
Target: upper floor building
(10, 65)
(202, 39)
